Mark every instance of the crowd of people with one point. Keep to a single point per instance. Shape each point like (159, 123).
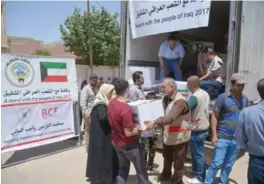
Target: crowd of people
(115, 141)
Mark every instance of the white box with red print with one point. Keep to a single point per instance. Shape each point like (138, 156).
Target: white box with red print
(146, 110)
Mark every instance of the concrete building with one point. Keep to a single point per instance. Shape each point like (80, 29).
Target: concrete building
(58, 49)
(26, 46)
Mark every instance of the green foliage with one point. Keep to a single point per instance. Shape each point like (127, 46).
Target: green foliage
(42, 53)
(106, 36)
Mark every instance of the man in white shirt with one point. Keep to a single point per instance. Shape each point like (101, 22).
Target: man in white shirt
(171, 55)
(86, 101)
(212, 81)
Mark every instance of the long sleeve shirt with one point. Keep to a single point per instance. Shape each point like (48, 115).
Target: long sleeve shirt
(250, 131)
(137, 92)
(87, 98)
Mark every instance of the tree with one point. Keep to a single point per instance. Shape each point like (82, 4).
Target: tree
(106, 36)
(42, 53)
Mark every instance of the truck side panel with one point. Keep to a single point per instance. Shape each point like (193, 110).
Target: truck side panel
(123, 40)
(251, 60)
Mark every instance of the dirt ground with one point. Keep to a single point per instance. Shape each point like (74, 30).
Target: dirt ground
(68, 167)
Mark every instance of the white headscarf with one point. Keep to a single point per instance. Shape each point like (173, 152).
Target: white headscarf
(104, 91)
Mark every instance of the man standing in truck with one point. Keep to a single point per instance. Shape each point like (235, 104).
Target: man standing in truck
(224, 121)
(250, 137)
(171, 55)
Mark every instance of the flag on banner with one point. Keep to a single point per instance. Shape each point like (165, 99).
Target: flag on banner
(53, 72)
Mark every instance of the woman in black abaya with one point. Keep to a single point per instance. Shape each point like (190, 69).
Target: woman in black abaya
(102, 163)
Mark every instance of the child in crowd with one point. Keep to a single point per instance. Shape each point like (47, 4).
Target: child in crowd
(147, 141)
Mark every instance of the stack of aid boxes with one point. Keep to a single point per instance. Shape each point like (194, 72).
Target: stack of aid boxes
(182, 88)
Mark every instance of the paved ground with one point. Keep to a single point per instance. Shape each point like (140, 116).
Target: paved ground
(68, 167)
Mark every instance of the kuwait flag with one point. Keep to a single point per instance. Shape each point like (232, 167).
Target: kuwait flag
(53, 72)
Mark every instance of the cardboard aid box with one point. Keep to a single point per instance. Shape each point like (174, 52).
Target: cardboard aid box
(182, 88)
(146, 110)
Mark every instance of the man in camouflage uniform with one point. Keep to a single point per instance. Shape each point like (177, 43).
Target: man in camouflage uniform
(148, 142)
(149, 150)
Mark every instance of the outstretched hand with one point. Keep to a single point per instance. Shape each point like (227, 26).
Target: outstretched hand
(149, 125)
(159, 121)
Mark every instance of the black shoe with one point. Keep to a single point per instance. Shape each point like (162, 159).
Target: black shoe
(150, 167)
(164, 177)
(175, 180)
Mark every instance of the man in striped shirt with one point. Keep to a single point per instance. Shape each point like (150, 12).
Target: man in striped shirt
(225, 118)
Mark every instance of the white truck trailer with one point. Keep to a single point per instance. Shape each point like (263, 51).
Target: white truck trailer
(241, 22)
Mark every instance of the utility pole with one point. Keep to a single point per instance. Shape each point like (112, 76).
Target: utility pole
(90, 35)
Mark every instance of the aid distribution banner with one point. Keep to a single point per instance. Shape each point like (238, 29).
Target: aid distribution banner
(37, 97)
(154, 17)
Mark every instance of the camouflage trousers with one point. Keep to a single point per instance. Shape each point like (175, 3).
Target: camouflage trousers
(148, 147)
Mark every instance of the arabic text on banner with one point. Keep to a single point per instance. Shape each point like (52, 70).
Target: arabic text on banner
(37, 92)
(154, 17)
(34, 125)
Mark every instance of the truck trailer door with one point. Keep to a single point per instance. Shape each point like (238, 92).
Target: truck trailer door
(251, 57)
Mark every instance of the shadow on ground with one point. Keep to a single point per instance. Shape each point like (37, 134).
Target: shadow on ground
(230, 181)
(36, 152)
(132, 179)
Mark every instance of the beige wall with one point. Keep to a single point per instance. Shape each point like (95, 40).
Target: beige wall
(4, 39)
(83, 72)
(58, 49)
(21, 45)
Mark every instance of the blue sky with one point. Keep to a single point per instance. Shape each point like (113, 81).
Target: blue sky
(41, 19)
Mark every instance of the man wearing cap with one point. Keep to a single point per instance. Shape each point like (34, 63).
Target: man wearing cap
(171, 55)
(224, 121)
(87, 98)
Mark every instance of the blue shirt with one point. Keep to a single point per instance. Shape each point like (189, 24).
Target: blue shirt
(250, 132)
(168, 53)
(228, 109)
